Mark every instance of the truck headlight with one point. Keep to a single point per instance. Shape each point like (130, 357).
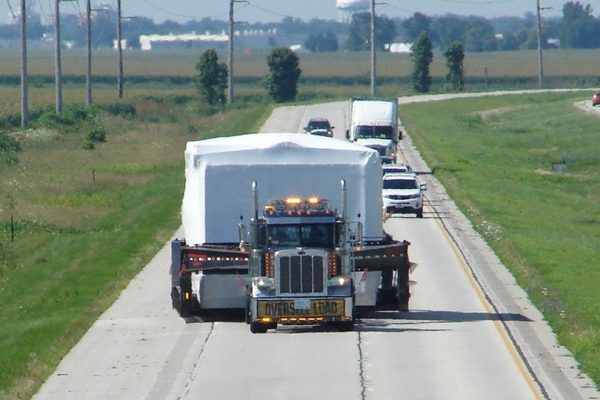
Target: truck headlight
(339, 281)
(263, 282)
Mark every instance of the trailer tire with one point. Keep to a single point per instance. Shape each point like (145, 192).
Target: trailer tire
(403, 290)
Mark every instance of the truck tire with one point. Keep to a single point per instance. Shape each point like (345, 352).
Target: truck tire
(257, 327)
(345, 326)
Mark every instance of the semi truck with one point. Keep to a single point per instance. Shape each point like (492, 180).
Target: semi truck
(374, 124)
(287, 227)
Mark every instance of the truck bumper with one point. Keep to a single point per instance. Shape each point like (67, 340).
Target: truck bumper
(301, 310)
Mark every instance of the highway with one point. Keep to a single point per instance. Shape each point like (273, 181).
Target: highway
(471, 332)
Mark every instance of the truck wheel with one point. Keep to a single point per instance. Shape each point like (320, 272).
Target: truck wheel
(248, 312)
(345, 326)
(175, 299)
(257, 327)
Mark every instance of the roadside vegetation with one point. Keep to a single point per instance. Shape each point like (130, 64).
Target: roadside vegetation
(93, 199)
(495, 157)
(78, 223)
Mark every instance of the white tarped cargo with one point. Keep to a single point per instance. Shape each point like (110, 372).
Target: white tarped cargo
(219, 175)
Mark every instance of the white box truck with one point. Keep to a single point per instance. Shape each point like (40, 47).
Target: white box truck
(287, 227)
(374, 124)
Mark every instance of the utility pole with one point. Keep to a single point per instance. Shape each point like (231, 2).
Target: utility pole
(539, 45)
(88, 39)
(230, 55)
(120, 49)
(24, 79)
(373, 56)
(57, 60)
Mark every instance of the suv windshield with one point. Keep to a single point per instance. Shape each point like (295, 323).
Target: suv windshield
(400, 184)
(374, 132)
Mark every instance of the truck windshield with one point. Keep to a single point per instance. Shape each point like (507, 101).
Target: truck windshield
(308, 235)
(374, 132)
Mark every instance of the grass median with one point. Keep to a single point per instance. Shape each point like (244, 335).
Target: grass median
(525, 169)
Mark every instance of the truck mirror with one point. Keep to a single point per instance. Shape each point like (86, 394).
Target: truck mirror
(347, 133)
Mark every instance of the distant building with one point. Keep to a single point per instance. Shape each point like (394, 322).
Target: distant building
(245, 39)
(149, 42)
(405, 48)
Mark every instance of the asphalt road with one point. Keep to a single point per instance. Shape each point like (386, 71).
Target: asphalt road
(471, 332)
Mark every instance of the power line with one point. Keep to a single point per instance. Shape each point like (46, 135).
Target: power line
(186, 16)
(270, 11)
(11, 10)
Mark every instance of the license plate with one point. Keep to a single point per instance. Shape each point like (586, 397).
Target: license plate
(288, 308)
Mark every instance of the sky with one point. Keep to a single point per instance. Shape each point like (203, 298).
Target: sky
(275, 10)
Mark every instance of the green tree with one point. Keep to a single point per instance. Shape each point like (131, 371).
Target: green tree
(479, 36)
(455, 55)
(323, 41)
(359, 38)
(282, 82)
(422, 57)
(579, 28)
(211, 81)
(447, 30)
(415, 25)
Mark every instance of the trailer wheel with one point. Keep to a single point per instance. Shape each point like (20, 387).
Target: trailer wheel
(402, 290)
(257, 327)
(344, 326)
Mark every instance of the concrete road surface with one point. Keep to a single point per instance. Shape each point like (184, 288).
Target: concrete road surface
(471, 332)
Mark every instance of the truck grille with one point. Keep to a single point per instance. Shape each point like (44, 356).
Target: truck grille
(301, 274)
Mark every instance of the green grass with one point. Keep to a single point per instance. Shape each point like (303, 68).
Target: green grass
(495, 155)
(85, 223)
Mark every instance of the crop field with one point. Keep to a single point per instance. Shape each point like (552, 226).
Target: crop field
(181, 63)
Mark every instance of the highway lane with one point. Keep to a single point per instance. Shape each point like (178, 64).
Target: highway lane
(471, 333)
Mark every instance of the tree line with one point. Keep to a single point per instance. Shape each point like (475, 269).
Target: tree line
(284, 72)
(577, 28)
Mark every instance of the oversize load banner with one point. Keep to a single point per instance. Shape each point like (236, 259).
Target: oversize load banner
(296, 308)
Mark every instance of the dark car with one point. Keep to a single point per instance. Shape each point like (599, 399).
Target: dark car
(319, 126)
(596, 99)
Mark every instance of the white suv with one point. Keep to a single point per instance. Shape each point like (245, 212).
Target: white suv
(403, 193)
